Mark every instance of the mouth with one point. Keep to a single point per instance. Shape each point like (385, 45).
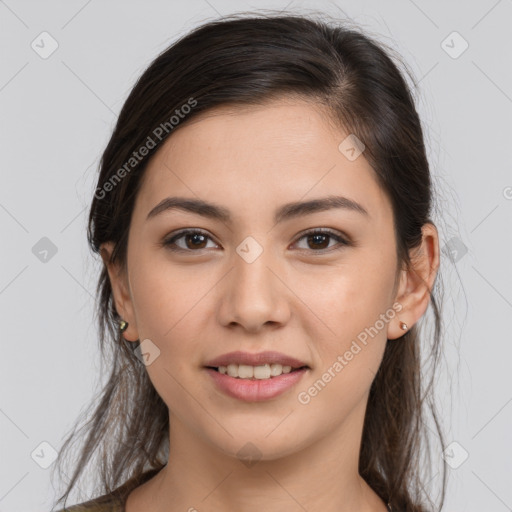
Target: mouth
(256, 384)
(255, 377)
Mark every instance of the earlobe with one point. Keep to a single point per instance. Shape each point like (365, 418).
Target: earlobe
(120, 294)
(123, 326)
(397, 329)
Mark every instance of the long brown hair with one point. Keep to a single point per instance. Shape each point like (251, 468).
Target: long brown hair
(249, 59)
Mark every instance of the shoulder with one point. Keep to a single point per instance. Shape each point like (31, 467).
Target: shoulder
(114, 501)
(106, 503)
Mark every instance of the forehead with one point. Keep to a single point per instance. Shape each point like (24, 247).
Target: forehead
(255, 157)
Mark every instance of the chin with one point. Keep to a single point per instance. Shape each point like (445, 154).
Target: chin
(259, 445)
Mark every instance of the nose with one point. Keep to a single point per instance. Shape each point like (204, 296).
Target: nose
(254, 294)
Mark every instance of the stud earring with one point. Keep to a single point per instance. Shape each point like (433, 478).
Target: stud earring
(123, 326)
(403, 326)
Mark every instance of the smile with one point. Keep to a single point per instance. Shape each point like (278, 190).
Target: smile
(259, 387)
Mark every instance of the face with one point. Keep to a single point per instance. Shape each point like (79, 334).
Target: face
(316, 285)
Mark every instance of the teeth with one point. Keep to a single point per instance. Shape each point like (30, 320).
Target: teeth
(245, 371)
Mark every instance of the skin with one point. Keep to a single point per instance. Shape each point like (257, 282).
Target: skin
(197, 305)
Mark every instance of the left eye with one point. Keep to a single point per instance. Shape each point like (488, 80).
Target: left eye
(196, 239)
(318, 238)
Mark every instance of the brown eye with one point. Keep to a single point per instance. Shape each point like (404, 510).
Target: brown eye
(196, 241)
(318, 240)
(193, 239)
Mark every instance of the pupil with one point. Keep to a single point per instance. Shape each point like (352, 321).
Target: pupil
(195, 236)
(319, 236)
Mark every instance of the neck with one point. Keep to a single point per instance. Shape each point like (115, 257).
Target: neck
(317, 477)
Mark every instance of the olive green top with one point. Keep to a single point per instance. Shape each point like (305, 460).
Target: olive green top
(115, 500)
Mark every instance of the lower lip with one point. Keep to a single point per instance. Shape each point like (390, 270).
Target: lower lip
(256, 390)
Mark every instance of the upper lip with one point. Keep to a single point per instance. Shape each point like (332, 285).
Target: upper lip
(258, 359)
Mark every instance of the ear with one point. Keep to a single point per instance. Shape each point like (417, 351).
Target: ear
(417, 282)
(120, 291)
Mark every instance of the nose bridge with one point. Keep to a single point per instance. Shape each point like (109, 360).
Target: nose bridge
(251, 270)
(255, 295)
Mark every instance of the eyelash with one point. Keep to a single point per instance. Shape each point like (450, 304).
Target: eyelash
(169, 243)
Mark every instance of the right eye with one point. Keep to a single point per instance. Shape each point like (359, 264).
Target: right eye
(193, 238)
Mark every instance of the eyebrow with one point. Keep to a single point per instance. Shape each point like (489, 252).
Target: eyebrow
(285, 212)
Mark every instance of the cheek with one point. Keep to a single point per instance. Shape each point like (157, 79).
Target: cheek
(347, 302)
(349, 353)
(168, 303)
(174, 310)
(165, 296)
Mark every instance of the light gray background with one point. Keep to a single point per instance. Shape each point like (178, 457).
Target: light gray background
(56, 117)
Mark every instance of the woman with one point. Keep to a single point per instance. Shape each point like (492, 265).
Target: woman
(262, 213)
